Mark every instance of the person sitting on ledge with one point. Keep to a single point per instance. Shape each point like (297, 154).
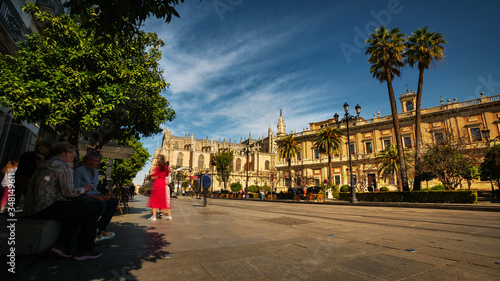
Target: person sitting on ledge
(87, 174)
(49, 196)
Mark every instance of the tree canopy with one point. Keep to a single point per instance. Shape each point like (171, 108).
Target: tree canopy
(448, 163)
(66, 78)
(223, 163)
(121, 16)
(490, 168)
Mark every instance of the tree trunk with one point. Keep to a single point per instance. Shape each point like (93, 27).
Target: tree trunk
(330, 170)
(398, 181)
(399, 141)
(290, 171)
(418, 131)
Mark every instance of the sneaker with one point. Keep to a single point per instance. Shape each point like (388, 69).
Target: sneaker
(151, 219)
(60, 251)
(105, 235)
(169, 218)
(160, 214)
(87, 255)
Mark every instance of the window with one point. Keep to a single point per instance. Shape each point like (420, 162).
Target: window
(316, 154)
(176, 145)
(407, 141)
(409, 106)
(267, 165)
(368, 147)
(438, 138)
(299, 156)
(180, 159)
(238, 165)
(475, 134)
(201, 161)
(352, 149)
(337, 179)
(387, 143)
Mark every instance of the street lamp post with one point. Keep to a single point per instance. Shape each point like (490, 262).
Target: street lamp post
(348, 117)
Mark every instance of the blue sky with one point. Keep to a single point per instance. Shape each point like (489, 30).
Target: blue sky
(233, 64)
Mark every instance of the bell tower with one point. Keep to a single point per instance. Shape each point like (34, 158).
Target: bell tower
(281, 125)
(408, 101)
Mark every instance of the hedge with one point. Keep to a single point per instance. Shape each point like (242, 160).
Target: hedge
(431, 196)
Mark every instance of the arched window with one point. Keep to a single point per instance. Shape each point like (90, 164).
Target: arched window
(176, 144)
(267, 165)
(238, 165)
(180, 159)
(201, 159)
(409, 106)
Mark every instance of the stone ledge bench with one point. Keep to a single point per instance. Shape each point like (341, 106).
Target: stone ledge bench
(31, 236)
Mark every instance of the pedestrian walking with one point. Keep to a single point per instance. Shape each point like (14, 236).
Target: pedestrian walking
(160, 192)
(206, 183)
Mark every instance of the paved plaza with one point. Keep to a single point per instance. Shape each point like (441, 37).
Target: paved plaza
(254, 240)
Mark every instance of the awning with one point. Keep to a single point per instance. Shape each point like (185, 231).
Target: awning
(109, 150)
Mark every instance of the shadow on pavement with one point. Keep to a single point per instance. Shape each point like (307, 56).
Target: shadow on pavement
(133, 245)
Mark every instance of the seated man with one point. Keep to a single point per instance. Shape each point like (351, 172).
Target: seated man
(88, 174)
(49, 196)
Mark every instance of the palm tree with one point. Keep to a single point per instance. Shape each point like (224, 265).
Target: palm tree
(328, 141)
(424, 48)
(288, 149)
(386, 48)
(389, 165)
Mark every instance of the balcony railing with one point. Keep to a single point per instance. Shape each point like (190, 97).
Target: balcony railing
(12, 21)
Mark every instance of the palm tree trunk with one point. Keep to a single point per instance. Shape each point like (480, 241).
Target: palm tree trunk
(418, 131)
(290, 171)
(399, 141)
(399, 181)
(330, 170)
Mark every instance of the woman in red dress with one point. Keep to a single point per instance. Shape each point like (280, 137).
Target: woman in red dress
(160, 192)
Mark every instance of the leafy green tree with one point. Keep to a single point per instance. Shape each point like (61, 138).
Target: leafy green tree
(125, 170)
(288, 149)
(223, 163)
(424, 48)
(448, 163)
(329, 140)
(121, 16)
(389, 165)
(65, 78)
(473, 173)
(386, 48)
(490, 168)
(236, 186)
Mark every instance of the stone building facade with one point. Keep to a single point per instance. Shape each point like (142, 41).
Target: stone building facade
(195, 154)
(468, 119)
